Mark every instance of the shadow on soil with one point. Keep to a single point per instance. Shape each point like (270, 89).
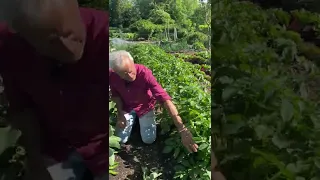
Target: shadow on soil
(135, 155)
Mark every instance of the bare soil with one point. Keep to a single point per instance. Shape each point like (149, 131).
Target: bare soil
(135, 155)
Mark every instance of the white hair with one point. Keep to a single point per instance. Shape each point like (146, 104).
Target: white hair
(116, 58)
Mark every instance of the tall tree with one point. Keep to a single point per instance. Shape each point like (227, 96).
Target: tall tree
(115, 13)
(145, 7)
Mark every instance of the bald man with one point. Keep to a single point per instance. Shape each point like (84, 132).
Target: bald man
(53, 60)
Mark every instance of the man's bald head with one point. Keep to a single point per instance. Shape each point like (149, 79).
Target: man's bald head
(53, 27)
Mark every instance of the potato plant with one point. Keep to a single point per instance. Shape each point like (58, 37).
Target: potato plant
(266, 109)
(187, 85)
(114, 141)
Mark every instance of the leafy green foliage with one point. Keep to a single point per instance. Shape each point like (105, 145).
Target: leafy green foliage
(197, 37)
(11, 156)
(146, 28)
(114, 141)
(175, 47)
(201, 58)
(128, 36)
(199, 46)
(165, 20)
(150, 175)
(8, 137)
(266, 123)
(159, 16)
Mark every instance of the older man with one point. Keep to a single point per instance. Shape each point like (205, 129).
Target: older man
(53, 60)
(135, 91)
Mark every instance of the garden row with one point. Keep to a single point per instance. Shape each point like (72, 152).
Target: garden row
(182, 81)
(265, 111)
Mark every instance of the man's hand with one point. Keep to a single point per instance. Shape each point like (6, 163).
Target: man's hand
(217, 175)
(121, 120)
(186, 136)
(187, 141)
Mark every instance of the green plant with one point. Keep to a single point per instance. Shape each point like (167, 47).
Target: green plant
(113, 142)
(11, 155)
(126, 36)
(267, 123)
(8, 137)
(197, 37)
(199, 46)
(175, 46)
(146, 28)
(150, 175)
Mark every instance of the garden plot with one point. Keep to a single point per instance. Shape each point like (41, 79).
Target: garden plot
(266, 106)
(186, 84)
(137, 161)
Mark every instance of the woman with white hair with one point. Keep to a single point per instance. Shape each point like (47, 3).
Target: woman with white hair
(135, 91)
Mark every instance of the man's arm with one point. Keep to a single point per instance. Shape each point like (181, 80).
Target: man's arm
(116, 98)
(173, 112)
(162, 97)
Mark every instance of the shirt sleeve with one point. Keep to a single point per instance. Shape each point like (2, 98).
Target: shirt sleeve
(158, 92)
(114, 92)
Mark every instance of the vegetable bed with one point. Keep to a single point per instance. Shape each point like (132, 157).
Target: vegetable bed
(265, 111)
(187, 85)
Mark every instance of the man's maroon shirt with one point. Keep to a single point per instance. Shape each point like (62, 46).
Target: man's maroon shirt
(141, 94)
(72, 102)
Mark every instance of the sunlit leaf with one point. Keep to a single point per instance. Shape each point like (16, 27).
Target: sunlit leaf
(114, 142)
(286, 110)
(263, 131)
(280, 141)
